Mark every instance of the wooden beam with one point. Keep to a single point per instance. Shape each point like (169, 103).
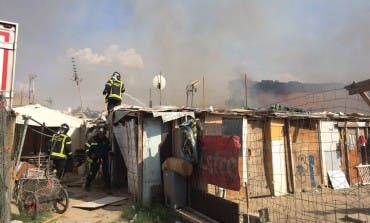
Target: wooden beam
(289, 157)
(140, 156)
(347, 153)
(366, 154)
(358, 87)
(365, 97)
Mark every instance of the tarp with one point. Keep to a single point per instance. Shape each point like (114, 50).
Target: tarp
(51, 118)
(219, 161)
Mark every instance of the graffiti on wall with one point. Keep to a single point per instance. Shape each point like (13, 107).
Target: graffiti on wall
(305, 169)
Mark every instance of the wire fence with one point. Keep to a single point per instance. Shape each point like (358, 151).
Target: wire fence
(318, 183)
(4, 165)
(334, 100)
(303, 170)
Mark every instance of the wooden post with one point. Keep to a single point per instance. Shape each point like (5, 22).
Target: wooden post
(366, 147)
(203, 97)
(247, 199)
(346, 153)
(290, 166)
(140, 157)
(40, 146)
(10, 140)
(365, 97)
(246, 90)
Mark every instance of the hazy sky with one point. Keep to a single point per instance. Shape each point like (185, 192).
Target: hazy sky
(308, 41)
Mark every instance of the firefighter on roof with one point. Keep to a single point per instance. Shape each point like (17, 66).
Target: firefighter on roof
(113, 91)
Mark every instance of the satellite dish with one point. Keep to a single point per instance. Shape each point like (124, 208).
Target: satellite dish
(159, 82)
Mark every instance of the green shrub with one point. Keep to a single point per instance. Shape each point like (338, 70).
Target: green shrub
(156, 214)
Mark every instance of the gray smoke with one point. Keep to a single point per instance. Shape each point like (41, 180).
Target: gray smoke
(313, 41)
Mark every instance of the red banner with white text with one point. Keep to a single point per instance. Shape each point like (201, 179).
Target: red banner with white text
(219, 161)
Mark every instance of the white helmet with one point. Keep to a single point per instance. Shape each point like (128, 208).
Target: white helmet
(116, 76)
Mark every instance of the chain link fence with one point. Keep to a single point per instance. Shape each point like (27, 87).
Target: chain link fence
(334, 100)
(4, 165)
(297, 170)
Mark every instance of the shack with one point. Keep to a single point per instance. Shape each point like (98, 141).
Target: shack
(142, 139)
(244, 155)
(36, 137)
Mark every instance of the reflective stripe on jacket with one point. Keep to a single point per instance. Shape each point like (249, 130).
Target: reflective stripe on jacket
(116, 89)
(61, 146)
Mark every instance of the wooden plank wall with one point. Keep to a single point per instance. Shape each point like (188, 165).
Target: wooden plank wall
(257, 183)
(306, 154)
(354, 156)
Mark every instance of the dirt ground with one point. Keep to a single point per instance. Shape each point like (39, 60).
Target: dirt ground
(109, 214)
(326, 205)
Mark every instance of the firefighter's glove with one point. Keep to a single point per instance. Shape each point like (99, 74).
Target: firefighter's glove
(89, 160)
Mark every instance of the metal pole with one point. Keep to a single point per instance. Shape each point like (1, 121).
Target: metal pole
(150, 98)
(160, 87)
(246, 90)
(29, 90)
(41, 124)
(192, 95)
(20, 149)
(160, 97)
(32, 77)
(203, 101)
(187, 97)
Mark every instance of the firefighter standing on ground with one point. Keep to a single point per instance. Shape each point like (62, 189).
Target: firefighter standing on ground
(113, 91)
(60, 149)
(97, 150)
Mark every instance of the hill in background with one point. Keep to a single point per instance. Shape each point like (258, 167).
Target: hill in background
(267, 92)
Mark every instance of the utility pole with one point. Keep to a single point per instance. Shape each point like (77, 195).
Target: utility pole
(31, 88)
(246, 90)
(190, 89)
(150, 98)
(203, 97)
(77, 81)
(160, 88)
(49, 100)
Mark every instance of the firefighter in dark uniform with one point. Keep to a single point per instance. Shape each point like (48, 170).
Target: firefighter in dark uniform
(97, 149)
(113, 91)
(60, 149)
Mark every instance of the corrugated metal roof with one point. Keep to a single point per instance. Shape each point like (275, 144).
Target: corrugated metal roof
(51, 118)
(254, 113)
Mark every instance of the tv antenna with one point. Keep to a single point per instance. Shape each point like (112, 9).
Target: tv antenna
(77, 80)
(31, 88)
(191, 89)
(159, 82)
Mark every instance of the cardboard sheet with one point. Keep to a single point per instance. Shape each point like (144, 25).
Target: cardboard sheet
(100, 202)
(338, 179)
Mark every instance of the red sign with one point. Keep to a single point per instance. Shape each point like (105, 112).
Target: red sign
(219, 161)
(4, 54)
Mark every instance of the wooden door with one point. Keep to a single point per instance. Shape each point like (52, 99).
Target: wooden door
(353, 155)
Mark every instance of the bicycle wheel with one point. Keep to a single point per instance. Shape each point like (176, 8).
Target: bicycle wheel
(61, 202)
(31, 205)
